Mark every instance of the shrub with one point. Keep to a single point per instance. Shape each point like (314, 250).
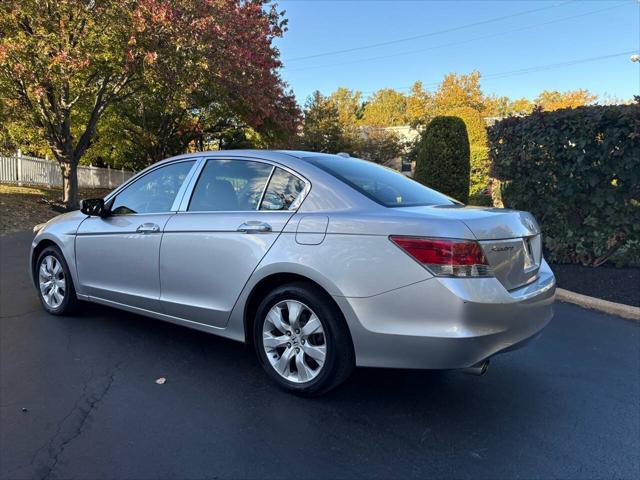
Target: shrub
(480, 200)
(476, 127)
(442, 157)
(578, 171)
(477, 131)
(479, 175)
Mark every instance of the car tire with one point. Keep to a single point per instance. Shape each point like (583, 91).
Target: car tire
(58, 296)
(294, 365)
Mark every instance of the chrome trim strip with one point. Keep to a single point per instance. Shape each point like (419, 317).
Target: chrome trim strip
(266, 185)
(300, 198)
(541, 284)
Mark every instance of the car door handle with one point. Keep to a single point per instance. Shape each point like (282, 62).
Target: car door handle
(254, 227)
(148, 228)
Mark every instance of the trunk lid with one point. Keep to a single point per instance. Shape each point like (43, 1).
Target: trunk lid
(510, 239)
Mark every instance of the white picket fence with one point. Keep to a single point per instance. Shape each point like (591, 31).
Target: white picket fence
(23, 169)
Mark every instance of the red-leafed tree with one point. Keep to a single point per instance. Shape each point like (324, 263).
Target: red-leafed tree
(63, 63)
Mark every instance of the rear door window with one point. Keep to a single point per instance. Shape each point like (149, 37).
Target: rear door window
(230, 185)
(283, 190)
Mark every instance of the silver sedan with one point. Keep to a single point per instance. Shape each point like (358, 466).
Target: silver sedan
(322, 262)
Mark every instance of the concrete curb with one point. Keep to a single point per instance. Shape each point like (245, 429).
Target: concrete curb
(613, 308)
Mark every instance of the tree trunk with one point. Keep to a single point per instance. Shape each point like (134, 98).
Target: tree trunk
(70, 183)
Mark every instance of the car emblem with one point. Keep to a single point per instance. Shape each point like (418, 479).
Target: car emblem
(502, 249)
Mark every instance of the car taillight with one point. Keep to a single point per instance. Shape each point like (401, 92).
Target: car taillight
(446, 257)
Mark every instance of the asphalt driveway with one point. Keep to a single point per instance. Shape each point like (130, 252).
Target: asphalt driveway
(567, 406)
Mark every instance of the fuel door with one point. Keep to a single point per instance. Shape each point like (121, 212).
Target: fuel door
(312, 229)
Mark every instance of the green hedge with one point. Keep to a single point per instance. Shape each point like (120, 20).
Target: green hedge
(578, 172)
(442, 157)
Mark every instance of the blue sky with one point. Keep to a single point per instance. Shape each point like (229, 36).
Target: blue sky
(494, 37)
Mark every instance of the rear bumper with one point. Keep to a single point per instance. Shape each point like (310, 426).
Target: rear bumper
(446, 323)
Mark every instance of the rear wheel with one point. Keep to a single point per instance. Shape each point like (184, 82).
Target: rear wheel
(302, 340)
(55, 286)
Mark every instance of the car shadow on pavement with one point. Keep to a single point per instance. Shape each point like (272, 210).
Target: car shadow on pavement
(215, 363)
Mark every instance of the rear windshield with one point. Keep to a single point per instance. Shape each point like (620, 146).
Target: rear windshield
(382, 185)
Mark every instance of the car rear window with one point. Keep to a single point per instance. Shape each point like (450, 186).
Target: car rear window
(381, 184)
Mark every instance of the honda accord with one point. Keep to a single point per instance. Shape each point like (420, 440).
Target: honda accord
(322, 262)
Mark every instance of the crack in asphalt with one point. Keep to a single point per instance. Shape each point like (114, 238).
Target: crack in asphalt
(55, 456)
(55, 452)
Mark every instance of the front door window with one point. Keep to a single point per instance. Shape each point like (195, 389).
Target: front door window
(155, 192)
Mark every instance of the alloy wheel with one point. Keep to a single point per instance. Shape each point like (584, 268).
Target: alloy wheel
(53, 284)
(294, 341)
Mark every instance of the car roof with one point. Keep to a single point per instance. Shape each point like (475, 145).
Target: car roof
(252, 153)
(288, 158)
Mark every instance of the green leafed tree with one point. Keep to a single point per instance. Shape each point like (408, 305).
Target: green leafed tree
(442, 157)
(322, 130)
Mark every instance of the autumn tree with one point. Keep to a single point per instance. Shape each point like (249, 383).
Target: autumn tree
(457, 91)
(521, 106)
(61, 64)
(495, 106)
(386, 108)
(420, 105)
(551, 100)
(322, 130)
(349, 105)
(64, 63)
(213, 92)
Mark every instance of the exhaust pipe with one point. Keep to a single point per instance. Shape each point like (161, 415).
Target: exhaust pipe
(477, 369)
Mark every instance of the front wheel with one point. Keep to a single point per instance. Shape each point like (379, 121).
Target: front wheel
(55, 286)
(302, 340)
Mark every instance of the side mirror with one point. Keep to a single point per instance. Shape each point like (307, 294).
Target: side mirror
(94, 207)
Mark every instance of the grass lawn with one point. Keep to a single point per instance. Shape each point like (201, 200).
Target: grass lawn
(23, 207)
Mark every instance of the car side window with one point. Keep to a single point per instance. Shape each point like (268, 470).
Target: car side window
(229, 185)
(282, 191)
(154, 192)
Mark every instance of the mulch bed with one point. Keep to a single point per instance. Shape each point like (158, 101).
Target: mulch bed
(621, 285)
